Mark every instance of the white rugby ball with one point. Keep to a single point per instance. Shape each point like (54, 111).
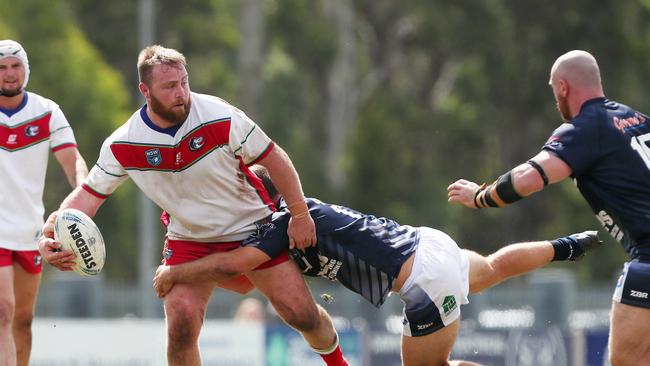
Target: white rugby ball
(78, 233)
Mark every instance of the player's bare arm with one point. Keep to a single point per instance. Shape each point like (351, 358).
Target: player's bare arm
(217, 267)
(522, 181)
(73, 165)
(47, 246)
(301, 230)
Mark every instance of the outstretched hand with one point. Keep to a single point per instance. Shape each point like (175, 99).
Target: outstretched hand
(50, 249)
(462, 191)
(163, 281)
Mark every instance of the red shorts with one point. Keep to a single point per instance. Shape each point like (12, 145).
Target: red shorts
(30, 260)
(182, 251)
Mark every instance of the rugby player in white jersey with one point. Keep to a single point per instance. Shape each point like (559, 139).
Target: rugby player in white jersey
(374, 256)
(30, 127)
(190, 154)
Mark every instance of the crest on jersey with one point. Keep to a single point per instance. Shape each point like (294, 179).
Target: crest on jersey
(31, 131)
(154, 158)
(196, 143)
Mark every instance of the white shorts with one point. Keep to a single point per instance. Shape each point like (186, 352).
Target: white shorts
(437, 286)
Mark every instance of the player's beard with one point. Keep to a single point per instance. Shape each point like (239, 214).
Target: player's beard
(171, 115)
(563, 107)
(11, 92)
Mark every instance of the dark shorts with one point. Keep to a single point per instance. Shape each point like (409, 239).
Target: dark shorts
(30, 260)
(182, 251)
(633, 286)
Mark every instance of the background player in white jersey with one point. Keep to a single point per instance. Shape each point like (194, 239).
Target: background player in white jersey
(190, 154)
(373, 256)
(30, 127)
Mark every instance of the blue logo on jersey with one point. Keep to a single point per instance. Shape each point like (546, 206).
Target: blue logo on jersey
(153, 157)
(31, 131)
(196, 143)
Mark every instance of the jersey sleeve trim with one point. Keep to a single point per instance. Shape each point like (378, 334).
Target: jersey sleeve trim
(241, 144)
(60, 128)
(109, 173)
(63, 146)
(94, 192)
(263, 154)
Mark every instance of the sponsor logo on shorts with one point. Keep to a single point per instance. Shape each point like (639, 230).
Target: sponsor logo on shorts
(154, 158)
(31, 131)
(37, 261)
(639, 294)
(449, 304)
(424, 326)
(196, 143)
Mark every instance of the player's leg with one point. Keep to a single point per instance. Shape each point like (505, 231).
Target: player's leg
(287, 291)
(628, 335)
(629, 343)
(7, 306)
(432, 349)
(27, 278)
(432, 294)
(517, 259)
(185, 307)
(509, 261)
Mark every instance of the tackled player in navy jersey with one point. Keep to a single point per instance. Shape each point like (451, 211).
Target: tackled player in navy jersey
(604, 147)
(374, 256)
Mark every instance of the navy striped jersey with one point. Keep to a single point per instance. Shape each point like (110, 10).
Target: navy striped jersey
(606, 146)
(363, 252)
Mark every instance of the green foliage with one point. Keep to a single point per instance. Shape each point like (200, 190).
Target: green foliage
(446, 90)
(66, 68)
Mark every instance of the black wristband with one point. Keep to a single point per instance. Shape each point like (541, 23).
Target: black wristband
(506, 189)
(540, 170)
(478, 191)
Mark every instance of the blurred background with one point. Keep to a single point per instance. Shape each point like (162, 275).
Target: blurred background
(381, 105)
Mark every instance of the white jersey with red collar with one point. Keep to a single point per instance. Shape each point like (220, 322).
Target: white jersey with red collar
(197, 172)
(27, 135)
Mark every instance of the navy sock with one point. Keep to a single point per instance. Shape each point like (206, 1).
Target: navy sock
(566, 248)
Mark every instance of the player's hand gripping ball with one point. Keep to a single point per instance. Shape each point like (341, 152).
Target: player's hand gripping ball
(78, 233)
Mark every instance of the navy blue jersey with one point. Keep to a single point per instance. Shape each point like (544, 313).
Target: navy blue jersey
(363, 252)
(610, 163)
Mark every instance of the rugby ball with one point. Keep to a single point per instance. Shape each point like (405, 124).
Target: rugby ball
(78, 233)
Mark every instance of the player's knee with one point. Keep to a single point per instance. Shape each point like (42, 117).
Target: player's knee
(23, 321)
(183, 322)
(181, 333)
(7, 308)
(303, 319)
